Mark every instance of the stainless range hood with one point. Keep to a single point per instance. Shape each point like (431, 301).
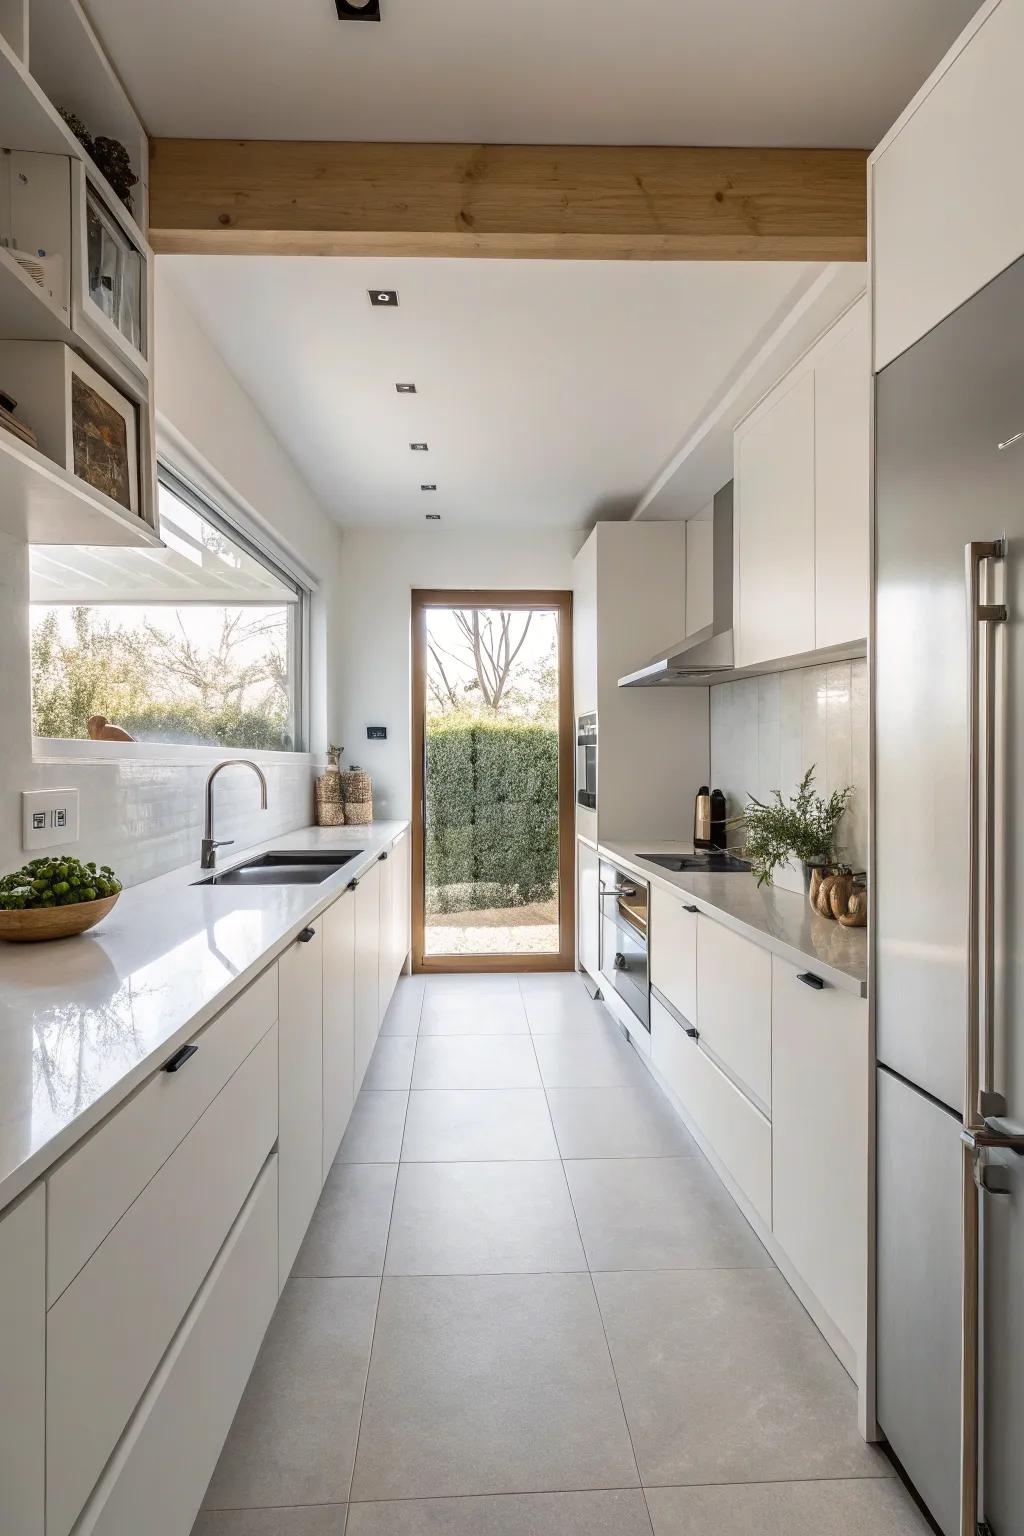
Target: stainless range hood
(708, 652)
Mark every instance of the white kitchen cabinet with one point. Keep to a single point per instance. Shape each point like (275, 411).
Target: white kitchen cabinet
(774, 525)
(367, 970)
(820, 1086)
(734, 1006)
(402, 853)
(673, 945)
(588, 908)
(338, 927)
(946, 210)
(842, 481)
(301, 1134)
(395, 918)
(23, 1364)
(388, 939)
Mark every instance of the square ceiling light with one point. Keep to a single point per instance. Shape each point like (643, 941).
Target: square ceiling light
(358, 10)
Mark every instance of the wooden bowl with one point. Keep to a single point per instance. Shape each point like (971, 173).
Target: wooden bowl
(35, 923)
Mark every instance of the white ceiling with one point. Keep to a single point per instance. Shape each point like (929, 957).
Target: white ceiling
(816, 72)
(550, 393)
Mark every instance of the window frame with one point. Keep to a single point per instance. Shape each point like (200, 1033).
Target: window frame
(239, 530)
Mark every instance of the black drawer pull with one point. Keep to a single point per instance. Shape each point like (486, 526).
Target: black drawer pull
(381, 857)
(693, 1033)
(352, 884)
(307, 934)
(178, 1060)
(810, 980)
(691, 909)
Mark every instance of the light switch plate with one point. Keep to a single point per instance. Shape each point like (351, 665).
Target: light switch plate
(48, 817)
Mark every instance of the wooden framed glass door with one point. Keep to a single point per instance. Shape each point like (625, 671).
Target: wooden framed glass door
(492, 771)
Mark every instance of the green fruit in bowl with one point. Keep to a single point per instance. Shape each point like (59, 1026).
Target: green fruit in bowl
(56, 882)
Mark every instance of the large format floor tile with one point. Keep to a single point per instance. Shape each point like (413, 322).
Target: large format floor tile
(455, 984)
(475, 1061)
(619, 1513)
(374, 1132)
(500, 1013)
(294, 1436)
(349, 1230)
(391, 1063)
(482, 1219)
(636, 1121)
(660, 1213)
(563, 1012)
(482, 1126)
(312, 1520)
(725, 1379)
(864, 1507)
(490, 1384)
(403, 1015)
(588, 1061)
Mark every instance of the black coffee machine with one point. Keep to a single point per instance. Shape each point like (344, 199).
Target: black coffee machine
(709, 818)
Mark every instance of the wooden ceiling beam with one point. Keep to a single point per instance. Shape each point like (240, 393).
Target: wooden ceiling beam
(258, 197)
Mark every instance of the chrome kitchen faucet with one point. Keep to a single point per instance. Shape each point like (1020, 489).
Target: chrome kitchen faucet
(208, 857)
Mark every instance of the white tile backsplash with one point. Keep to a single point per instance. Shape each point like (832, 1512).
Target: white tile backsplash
(767, 731)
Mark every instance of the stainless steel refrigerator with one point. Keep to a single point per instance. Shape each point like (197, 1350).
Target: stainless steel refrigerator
(949, 910)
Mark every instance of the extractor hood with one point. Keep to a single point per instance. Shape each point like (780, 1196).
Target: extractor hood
(709, 651)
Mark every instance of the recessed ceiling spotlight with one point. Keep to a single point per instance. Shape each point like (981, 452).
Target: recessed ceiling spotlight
(358, 10)
(428, 487)
(419, 447)
(383, 298)
(433, 517)
(406, 389)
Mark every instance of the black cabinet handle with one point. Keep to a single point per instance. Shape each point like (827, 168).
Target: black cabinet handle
(810, 980)
(306, 935)
(352, 884)
(178, 1060)
(381, 857)
(691, 909)
(693, 1033)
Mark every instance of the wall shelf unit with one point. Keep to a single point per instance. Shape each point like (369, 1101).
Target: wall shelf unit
(41, 503)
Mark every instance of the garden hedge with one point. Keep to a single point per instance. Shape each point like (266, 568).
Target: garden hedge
(492, 814)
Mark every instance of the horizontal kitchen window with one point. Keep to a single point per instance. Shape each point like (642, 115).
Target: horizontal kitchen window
(197, 644)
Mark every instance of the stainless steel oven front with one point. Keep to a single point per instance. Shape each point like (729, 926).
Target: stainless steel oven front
(624, 907)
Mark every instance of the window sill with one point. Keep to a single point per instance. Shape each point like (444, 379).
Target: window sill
(50, 750)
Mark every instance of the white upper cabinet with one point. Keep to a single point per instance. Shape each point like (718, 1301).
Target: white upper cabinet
(774, 530)
(842, 481)
(947, 211)
(802, 503)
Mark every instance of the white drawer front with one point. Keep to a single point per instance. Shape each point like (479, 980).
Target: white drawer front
(109, 1329)
(91, 1190)
(734, 1005)
(22, 1364)
(673, 940)
(160, 1471)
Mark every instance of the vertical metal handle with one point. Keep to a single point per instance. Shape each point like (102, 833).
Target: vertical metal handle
(980, 1099)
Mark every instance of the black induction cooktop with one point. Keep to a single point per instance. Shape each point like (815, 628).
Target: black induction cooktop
(712, 863)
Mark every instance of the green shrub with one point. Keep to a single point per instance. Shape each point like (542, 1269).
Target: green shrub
(492, 814)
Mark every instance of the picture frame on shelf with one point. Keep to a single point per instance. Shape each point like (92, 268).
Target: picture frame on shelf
(110, 276)
(81, 420)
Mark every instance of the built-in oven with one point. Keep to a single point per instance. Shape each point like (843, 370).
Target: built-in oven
(625, 901)
(586, 761)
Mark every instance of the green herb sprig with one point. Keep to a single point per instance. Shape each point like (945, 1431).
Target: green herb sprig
(804, 826)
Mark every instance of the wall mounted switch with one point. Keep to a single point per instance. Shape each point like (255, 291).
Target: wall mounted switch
(48, 817)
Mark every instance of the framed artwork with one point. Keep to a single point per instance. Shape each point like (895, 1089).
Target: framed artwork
(103, 439)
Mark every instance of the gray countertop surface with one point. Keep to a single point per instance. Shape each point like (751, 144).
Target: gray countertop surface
(780, 920)
(83, 1021)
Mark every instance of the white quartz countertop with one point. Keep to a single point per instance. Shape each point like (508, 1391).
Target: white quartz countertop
(780, 920)
(84, 1021)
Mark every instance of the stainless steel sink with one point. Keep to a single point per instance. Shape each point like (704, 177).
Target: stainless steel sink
(282, 868)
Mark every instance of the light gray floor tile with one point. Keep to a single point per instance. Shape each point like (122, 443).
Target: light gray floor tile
(294, 1436)
(621, 1513)
(313, 1520)
(459, 983)
(660, 1213)
(725, 1379)
(482, 1219)
(391, 1062)
(562, 1013)
(349, 1230)
(863, 1507)
(478, 1126)
(490, 1384)
(501, 1014)
(595, 1060)
(476, 1061)
(636, 1121)
(403, 1015)
(567, 983)
(374, 1131)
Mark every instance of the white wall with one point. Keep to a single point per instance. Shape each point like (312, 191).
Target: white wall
(379, 573)
(143, 813)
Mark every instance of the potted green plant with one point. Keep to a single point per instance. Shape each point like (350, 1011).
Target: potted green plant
(803, 827)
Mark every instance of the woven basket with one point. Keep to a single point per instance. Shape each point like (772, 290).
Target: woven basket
(359, 813)
(327, 800)
(356, 787)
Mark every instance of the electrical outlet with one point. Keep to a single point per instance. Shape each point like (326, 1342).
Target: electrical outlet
(48, 817)
(376, 733)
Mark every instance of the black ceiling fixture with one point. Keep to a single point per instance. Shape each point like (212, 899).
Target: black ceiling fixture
(383, 298)
(419, 447)
(353, 10)
(406, 389)
(428, 487)
(433, 517)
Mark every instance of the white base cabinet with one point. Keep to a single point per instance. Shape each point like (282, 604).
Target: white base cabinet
(588, 908)
(23, 1364)
(301, 1079)
(367, 970)
(673, 941)
(338, 926)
